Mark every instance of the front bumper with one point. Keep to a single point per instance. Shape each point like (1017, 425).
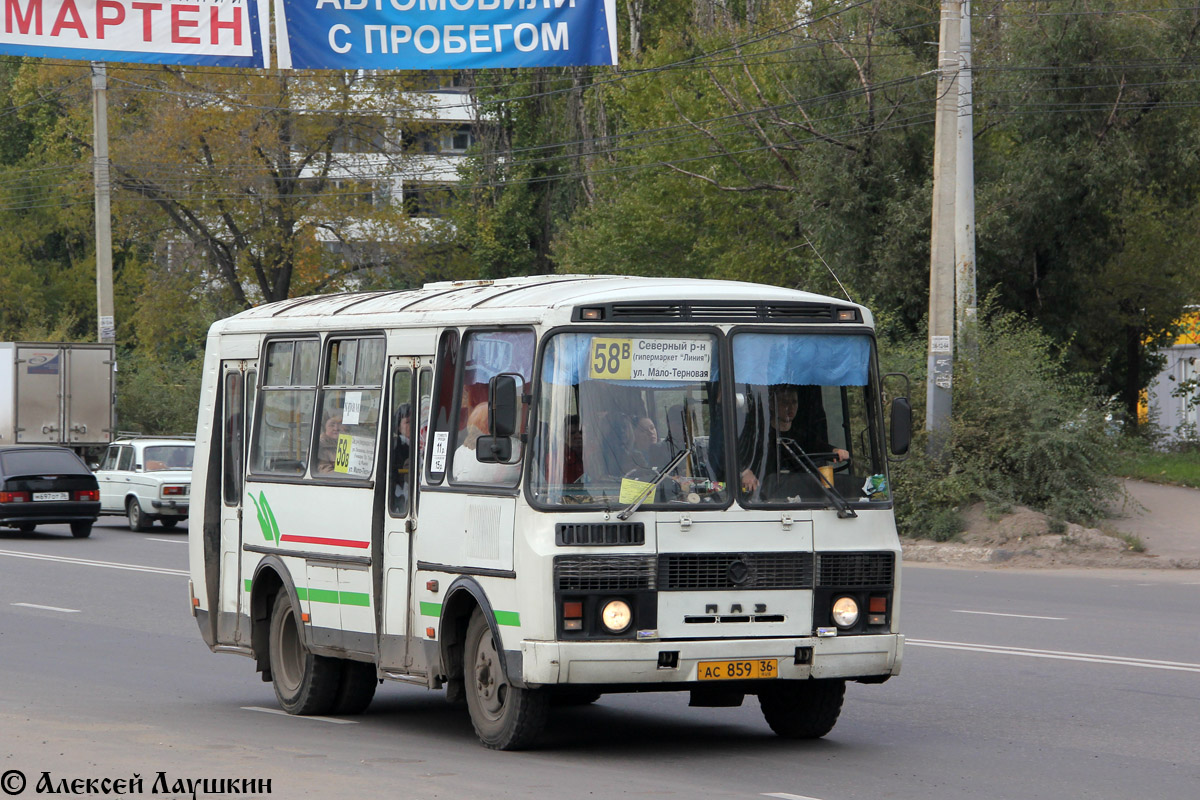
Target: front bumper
(629, 662)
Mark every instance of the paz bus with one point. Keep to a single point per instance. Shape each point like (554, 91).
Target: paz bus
(535, 491)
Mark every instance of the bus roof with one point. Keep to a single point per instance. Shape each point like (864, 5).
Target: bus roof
(534, 299)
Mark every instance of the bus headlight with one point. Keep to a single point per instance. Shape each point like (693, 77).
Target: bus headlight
(845, 612)
(616, 616)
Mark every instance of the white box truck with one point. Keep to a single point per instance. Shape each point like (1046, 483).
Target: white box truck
(57, 393)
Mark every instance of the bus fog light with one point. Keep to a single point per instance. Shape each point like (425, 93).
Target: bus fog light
(616, 616)
(845, 612)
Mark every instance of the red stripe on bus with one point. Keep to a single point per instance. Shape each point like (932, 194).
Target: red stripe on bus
(287, 537)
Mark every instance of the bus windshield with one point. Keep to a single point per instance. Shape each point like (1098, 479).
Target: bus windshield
(616, 408)
(806, 419)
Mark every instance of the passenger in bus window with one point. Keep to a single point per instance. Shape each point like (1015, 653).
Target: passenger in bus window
(327, 444)
(762, 453)
(401, 457)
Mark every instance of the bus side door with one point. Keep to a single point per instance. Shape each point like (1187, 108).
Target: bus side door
(410, 382)
(239, 382)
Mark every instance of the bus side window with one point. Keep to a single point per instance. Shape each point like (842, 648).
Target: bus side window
(283, 430)
(349, 406)
(487, 354)
(443, 406)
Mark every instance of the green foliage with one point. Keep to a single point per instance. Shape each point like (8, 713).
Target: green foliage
(1178, 467)
(157, 395)
(1024, 431)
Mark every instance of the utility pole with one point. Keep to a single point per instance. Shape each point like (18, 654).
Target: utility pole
(106, 326)
(940, 355)
(964, 198)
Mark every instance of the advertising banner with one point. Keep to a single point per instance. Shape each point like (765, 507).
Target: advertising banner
(223, 33)
(444, 34)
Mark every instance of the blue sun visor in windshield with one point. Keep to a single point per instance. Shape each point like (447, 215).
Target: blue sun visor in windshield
(818, 359)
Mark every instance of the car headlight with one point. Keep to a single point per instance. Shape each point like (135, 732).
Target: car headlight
(616, 616)
(845, 612)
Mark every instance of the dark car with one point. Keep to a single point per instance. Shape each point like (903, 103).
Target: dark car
(43, 485)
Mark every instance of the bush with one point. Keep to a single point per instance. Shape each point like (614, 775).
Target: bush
(1023, 431)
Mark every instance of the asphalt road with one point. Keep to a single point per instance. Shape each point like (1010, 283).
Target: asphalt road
(1022, 685)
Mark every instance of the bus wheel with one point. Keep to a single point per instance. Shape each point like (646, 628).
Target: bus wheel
(802, 709)
(304, 683)
(505, 717)
(357, 687)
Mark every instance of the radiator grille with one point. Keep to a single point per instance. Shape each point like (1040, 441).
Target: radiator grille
(681, 572)
(599, 534)
(603, 573)
(855, 570)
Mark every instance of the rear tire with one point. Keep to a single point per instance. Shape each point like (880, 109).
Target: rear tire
(27, 527)
(802, 709)
(80, 530)
(505, 717)
(169, 523)
(356, 687)
(304, 683)
(135, 516)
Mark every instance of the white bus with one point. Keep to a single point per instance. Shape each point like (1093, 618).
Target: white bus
(534, 491)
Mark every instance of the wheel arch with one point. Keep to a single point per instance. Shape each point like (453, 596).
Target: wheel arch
(271, 576)
(462, 598)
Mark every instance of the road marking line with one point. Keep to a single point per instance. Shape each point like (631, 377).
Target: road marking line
(998, 614)
(786, 796)
(168, 541)
(281, 713)
(48, 608)
(90, 563)
(1091, 658)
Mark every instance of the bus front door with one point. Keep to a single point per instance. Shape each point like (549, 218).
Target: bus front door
(409, 391)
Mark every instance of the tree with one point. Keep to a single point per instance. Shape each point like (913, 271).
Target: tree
(243, 179)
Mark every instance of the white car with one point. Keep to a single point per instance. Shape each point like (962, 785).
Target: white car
(147, 479)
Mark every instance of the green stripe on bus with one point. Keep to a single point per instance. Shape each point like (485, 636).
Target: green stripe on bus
(335, 597)
(510, 618)
(249, 585)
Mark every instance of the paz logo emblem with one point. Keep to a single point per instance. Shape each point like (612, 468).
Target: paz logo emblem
(739, 571)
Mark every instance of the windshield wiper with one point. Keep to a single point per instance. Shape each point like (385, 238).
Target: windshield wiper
(624, 513)
(844, 511)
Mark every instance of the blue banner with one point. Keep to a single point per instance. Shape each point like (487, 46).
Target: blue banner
(224, 33)
(444, 34)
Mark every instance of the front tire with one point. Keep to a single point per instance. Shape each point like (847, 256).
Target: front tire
(802, 709)
(135, 516)
(81, 530)
(505, 717)
(304, 683)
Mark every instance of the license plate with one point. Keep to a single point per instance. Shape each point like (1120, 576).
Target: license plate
(51, 496)
(737, 670)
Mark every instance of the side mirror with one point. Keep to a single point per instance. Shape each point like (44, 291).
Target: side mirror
(502, 405)
(493, 449)
(901, 426)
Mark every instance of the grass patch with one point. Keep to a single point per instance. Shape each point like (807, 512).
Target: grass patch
(1178, 468)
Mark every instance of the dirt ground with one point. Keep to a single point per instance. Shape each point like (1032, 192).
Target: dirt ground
(1161, 520)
